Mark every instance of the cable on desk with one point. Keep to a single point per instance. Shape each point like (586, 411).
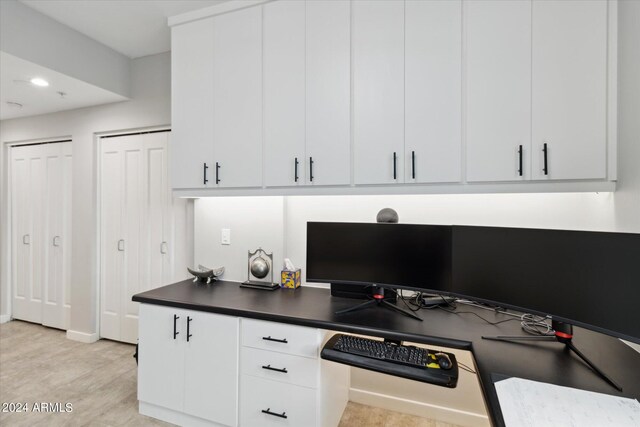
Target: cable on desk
(465, 367)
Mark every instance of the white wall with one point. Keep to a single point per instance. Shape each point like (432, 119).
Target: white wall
(149, 106)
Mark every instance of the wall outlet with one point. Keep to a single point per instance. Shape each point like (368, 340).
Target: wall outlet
(225, 236)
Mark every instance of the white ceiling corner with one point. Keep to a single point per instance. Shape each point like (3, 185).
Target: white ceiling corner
(133, 28)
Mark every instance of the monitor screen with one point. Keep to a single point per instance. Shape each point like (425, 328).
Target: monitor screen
(394, 255)
(589, 279)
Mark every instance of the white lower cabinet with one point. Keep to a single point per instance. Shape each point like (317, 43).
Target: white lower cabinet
(284, 382)
(188, 366)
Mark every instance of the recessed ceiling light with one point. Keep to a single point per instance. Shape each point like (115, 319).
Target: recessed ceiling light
(37, 81)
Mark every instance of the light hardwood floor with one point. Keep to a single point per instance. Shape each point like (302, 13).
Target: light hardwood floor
(39, 364)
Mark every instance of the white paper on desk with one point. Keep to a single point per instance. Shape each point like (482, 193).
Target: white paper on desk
(526, 403)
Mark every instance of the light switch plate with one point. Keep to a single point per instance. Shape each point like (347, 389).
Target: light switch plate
(225, 236)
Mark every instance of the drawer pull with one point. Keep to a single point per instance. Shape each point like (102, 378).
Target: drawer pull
(270, 368)
(284, 340)
(268, 411)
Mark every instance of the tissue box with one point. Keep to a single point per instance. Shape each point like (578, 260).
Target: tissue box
(290, 278)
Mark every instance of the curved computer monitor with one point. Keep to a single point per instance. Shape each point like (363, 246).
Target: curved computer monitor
(588, 279)
(390, 255)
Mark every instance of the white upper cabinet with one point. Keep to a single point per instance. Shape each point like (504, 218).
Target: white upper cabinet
(192, 98)
(328, 92)
(498, 90)
(284, 92)
(237, 99)
(433, 95)
(354, 95)
(378, 91)
(569, 89)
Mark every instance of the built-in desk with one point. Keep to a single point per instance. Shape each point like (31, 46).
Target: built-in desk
(314, 307)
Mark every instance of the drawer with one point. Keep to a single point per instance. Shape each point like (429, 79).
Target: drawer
(297, 404)
(281, 367)
(272, 336)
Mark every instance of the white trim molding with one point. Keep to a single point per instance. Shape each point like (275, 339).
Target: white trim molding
(84, 337)
(4, 318)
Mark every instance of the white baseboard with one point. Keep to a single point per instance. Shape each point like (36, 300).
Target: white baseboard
(4, 318)
(82, 336)
(420, 409)
(173, 417)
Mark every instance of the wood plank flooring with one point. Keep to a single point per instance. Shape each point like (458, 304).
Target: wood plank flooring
(39, 364)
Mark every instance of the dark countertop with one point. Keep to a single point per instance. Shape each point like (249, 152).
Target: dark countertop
(548, 362)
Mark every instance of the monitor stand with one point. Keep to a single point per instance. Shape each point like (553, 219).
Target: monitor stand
(563, 334)
(377, 299)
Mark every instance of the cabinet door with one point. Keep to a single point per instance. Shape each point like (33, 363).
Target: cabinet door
(211, 373)
(192, 98)
(569, 89)
(328, 92)
(378, 91)
(161, 362)
(498, 37)
(433, 61)
(284, 86)
(237, 99)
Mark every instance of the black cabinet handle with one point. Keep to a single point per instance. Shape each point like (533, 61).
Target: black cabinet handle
(268, 367)
(311, 169)
(284, 340)
(217, 173)
(545, 169)
(268, 411)
(295, 174)
(189, 319)
(413, 165)
(520, 160)
(175, 321)
(205, 180)
(394, 165)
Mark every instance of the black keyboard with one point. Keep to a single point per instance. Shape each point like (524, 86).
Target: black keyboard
(404, 361)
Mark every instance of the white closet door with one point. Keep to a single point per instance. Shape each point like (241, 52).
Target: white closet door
(25, 304)
(137, 228)
(112, 244)
(433, 94)
(56, 307)
(378, 91)
(498, 68)
(40, 219)
(284, 92)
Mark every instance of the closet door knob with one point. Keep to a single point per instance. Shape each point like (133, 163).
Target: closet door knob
(311, 169)
(217, 173)
(205, 180)
(121, 245)
(26, 239)
(295, 170)
(545, 169)
(56, 240)
(163, 248)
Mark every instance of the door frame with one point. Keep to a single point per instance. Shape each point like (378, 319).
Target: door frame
(6, 260)
(98, 137)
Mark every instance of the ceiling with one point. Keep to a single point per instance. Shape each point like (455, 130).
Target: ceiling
(15, 87)
(134, 28)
